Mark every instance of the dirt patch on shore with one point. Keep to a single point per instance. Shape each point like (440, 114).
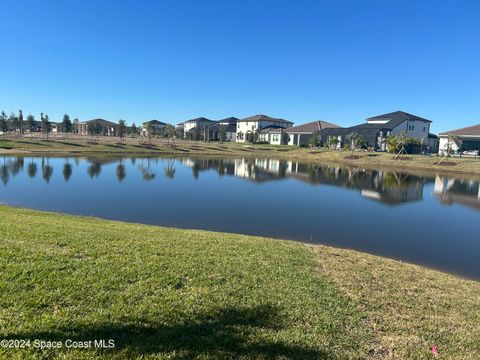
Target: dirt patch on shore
(352, 157)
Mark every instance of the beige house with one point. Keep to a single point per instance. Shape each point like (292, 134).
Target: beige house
(98, 126)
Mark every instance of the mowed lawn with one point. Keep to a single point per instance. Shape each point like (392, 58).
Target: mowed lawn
(167, 293)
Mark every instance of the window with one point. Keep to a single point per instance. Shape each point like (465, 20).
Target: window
(411, 127)
(424, 129)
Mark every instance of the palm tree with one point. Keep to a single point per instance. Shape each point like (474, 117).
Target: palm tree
(20, 121)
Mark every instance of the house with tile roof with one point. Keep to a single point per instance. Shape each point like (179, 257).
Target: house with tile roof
(301, 134)
(468, 140)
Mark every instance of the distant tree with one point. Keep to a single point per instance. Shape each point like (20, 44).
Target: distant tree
(151, 131)
(67, 171)
(20, 121)
(46, 125)
(134, 129)
(94, 128)
(75, 125)
(313, 141)
(252, 136)
(67, 124)
(333, 142)
(13, 122)
(3, 123)
(196, 135)
(401, 141)
(285, 138)
(169, 132)
(451, 139)
(31, 124)
(121, 129)
(356, 141)
(222, 133)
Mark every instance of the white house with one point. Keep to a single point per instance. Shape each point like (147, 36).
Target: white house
(468, 140)
(256, 123)
(196, 125)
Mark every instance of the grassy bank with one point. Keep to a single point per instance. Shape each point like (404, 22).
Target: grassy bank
(168, 293)
(79, 145)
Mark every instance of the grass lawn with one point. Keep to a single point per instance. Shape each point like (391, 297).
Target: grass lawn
(108, 146)
(168, 293)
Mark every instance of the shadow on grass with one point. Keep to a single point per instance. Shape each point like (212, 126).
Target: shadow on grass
(68, 143)
(223, 333)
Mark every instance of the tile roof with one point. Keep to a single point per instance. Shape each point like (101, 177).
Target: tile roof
(312, 127)
(473, 130)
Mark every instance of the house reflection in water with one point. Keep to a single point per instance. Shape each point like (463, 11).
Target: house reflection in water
(458, 191)
(388, 187)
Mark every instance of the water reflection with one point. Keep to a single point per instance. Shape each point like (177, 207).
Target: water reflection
(386, 186)
(457, 191)
(408, 216)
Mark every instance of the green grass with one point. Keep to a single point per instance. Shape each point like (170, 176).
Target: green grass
(167, 293)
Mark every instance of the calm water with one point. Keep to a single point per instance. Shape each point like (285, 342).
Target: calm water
(431, 220)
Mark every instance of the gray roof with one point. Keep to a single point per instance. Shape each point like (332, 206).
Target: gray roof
(272, 129)
(396, 118)
(262, 117)
(311, 127)
(199, 119)
(156, 122)
(101, 121)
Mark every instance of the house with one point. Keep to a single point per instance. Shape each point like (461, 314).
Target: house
(255, 124)
(157, 127)
(99, 126)
(468, 139)
(195, 127)
(272, 134)
(301, 134)
(377, 128)
(227, 126)
(56, 127)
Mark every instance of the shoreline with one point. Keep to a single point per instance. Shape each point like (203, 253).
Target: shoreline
(61, 147)
(233, 234)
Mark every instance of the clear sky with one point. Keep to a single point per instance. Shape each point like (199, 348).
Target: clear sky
(340, 61)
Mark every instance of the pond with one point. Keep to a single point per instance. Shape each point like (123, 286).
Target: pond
(432, 220)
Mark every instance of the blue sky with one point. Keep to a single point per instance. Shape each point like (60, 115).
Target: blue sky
(341, 61)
